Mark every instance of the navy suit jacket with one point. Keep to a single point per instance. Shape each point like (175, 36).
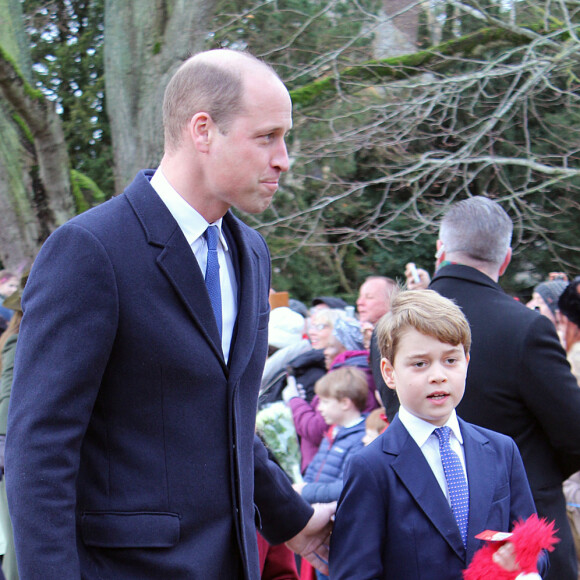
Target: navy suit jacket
(394, 522)
(131, 450)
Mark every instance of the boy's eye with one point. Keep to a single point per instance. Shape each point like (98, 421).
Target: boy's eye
(420, 364)
(451, 361)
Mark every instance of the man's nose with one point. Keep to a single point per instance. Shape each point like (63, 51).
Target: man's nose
(281, 159)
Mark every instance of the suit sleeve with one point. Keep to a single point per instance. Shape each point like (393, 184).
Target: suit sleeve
(70, 317)
(551, 392)
(282, 512)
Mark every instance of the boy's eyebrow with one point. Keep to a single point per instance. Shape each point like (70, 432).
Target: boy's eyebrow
(451, 349)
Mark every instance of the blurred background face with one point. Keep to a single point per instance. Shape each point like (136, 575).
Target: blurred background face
(331, 410)
(372, 301)
(539, 304)
(8, 286)
(319, 331)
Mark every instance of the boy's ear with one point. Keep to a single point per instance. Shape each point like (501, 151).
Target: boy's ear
(388, 373)
(346, 403)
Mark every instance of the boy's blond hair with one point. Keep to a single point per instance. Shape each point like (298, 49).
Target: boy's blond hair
(427, 312)
(349, 382)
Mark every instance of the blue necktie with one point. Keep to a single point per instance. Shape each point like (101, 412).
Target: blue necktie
(456, 481)
(212, 274)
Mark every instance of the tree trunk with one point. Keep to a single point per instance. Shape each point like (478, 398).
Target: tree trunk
(145, 42)
(398, 33)
(35, 191)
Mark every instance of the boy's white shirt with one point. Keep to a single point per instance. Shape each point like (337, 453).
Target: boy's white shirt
(422, 432)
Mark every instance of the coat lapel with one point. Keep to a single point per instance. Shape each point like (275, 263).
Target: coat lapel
(415, 474)
(249, 278)
(175, 259)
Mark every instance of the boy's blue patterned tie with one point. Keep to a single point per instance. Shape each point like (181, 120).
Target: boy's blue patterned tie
(212, 274)
(456, 481)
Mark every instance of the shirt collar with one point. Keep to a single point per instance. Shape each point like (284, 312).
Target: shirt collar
(421, 430)
(190, 221)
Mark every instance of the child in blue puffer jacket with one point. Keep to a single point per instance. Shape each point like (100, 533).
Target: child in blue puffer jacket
(343, 396)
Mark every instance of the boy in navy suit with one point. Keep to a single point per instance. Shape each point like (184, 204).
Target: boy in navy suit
(415, 498)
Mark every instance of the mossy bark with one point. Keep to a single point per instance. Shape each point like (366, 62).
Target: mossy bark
(35, 191)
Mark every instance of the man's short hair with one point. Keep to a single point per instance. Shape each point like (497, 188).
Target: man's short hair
(477, 227)
(427, 312)
(349, 382)
(390, 284)
(201, 84)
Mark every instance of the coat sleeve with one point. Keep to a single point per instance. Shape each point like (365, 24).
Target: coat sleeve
(282, 513)
(551, 392)
(70, 316)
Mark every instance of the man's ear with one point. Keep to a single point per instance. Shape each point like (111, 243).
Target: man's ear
(506, 261)
(388, 373)
(200, 129)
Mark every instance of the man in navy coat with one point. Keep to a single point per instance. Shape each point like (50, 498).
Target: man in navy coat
(131, 451)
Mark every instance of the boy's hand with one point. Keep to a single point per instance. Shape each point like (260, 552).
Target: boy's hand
(506, 558)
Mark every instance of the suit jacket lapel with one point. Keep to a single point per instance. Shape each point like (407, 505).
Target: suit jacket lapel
(480, 461)
(176, 260)
(416, 475)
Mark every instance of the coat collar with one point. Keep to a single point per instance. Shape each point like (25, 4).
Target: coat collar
(178, 264)
(466, 273)
(415, 474)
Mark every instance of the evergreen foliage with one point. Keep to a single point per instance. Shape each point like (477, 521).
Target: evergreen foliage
(67, 50)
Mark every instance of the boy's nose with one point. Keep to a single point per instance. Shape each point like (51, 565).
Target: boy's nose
(438, 374)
